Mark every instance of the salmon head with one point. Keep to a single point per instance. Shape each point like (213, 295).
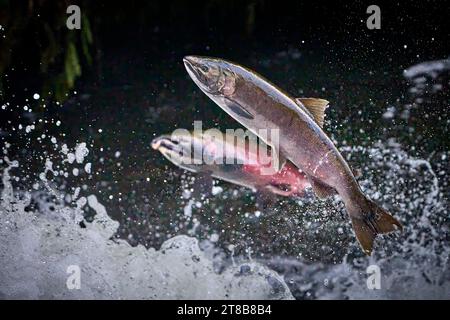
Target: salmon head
(213, 76)
(192, 152)
(177, 149)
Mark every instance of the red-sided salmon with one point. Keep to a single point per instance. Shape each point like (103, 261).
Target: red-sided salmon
(244, 169)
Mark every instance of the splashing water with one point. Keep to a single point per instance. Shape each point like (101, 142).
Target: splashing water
(46, 228)
(37, 246)
(38, 242)
(413, 265)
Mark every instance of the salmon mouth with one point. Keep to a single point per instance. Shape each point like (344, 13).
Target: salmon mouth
(156, 143)
(193, 66)
(189, 63)
(162, 142)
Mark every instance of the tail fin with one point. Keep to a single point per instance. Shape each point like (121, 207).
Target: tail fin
(374, 221)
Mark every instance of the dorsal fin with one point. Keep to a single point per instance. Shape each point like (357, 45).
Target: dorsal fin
(316, 107)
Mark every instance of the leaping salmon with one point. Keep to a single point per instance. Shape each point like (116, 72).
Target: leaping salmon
(260, 105)
(245, 169)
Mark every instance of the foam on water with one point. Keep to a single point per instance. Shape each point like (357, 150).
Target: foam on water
(428, 68)
(38, 248)
(428, 77)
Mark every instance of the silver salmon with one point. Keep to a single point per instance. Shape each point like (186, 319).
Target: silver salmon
(260, 105)
(245, 169)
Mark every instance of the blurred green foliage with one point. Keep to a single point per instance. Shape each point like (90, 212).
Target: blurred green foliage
(34, 36)
(38, 52)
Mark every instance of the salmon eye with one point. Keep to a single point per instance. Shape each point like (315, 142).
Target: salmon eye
(204, 68)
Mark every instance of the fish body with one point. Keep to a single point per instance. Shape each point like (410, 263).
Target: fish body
(244, 168)
(260, 105)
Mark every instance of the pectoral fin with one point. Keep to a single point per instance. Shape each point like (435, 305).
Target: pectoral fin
(238, 110)
(316, 107)
(282, 190)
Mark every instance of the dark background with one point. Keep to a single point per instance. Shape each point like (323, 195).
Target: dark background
(34, 48)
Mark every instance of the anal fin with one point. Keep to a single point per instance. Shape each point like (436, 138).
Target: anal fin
(320, 189)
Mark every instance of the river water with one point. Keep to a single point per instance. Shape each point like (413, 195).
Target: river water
(82, 186)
